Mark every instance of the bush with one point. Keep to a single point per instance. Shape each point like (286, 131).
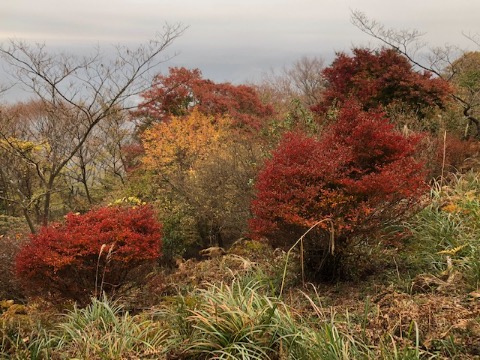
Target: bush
(347, 184)
(449, 228)
(98, 251)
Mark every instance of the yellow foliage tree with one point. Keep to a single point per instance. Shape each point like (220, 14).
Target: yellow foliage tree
(20, 182)
(183, 142)
(204, 166)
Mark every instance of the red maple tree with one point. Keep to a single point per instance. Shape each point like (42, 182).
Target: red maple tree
(182, 90)
(381, 78)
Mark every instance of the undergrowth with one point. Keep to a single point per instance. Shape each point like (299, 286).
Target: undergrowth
(446, 234)
(234, 309)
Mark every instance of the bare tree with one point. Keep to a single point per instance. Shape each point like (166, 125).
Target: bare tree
(77, 94)
(302, 80)
(307, 79)
(443, 62)
(100, 160)
(115, 134)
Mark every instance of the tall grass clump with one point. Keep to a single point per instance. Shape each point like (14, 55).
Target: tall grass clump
(330, 342)
(104, 331)
(18, 346)
(236, 321)
(243, 321)
(446, 233)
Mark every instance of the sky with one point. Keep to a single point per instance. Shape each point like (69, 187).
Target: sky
(234, 41)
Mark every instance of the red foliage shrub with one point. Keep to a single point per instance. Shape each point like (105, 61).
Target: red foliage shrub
(360, 174)
(101, 248)
(381, 78)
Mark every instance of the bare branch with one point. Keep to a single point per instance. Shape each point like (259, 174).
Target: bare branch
(475, 38)
(78, 93)
(443, 62)
(406, 41)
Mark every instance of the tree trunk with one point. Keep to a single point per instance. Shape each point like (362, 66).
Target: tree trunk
(83, 169)
(48, 200)
(472, 122)
(29, 221)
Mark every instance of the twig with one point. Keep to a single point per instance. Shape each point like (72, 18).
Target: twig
(98, 266)
(300, 240)
(444, 157)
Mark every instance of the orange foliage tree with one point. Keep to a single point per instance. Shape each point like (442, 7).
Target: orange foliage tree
(181, 142)
(201, 143)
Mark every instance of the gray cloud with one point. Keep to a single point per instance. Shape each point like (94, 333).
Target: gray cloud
(233, 41)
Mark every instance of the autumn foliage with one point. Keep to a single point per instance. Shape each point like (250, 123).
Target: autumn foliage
(359, 175)
(180, 142)
(183, 90)
(202, 169)
(96, 251)
(381, 78)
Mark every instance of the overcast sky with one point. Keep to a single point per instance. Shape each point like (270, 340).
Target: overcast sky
(233, 41)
